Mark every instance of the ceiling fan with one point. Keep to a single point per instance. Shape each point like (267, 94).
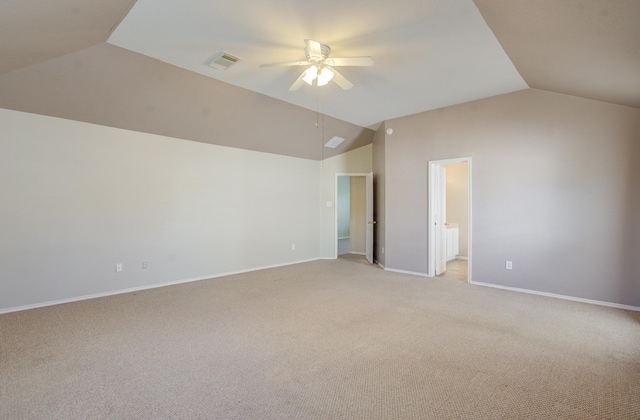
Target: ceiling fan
(321, 67)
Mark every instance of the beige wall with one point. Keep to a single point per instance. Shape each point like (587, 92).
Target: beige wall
(458, 202)
(78, 198)
(358, 216)
(556, 190)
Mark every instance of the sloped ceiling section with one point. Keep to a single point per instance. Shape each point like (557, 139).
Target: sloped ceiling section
(37, 30)
(586, 48)
(428, 53)
(111, 86)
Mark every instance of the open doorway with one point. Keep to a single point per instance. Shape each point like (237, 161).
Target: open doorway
(354, 215)
(450, 219)
(351, 212)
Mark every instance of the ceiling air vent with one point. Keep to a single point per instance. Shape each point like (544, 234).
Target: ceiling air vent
(334, 142)
(223, 61)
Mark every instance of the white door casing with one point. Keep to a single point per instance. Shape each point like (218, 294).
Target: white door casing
(440, 174)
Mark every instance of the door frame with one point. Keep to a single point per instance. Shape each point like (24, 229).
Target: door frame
(431, 231)
(335, 208)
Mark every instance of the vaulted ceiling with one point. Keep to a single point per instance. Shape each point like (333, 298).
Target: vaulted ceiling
(586, 48)
(143, 65)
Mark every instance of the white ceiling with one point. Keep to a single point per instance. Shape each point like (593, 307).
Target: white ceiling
(428, 53)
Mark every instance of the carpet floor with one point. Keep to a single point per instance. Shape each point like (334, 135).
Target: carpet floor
(321, 340)
(456, 270)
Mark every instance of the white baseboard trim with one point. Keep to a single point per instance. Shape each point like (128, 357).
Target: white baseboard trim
(413, 273)
(230, 273)
(147, 287)
(462, 258)
(357, 253)
(554, 295)
(378, 263)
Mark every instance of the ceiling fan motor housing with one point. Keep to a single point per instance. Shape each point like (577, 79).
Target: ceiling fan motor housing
(324, 51)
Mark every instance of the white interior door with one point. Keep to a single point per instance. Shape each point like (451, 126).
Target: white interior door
(440, 208)
(370, 221)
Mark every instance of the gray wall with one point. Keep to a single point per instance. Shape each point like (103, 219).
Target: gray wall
(111, 86)
(556, 189)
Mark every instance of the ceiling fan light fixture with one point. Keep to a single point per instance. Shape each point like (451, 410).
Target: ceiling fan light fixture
(310, 75)
(325, 76)
(321, 68)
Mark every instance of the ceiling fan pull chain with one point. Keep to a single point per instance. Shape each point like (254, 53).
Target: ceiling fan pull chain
(317, 108)
(322, 141)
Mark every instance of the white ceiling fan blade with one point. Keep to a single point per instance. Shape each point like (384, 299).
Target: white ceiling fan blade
(350, 61)
(296, 85)
(341, 80)
(286, 63)
(313, 47)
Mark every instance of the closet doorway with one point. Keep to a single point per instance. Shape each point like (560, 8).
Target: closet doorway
(354, 215)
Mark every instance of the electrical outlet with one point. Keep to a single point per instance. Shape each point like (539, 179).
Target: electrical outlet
(118, 267)
(509, 265)
(383, 250)
(293, 247)
(145, 265)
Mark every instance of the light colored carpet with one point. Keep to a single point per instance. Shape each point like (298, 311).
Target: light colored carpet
(456, 270)
(321, 340)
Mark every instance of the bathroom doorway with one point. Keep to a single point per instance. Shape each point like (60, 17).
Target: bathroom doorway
(450, 219)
